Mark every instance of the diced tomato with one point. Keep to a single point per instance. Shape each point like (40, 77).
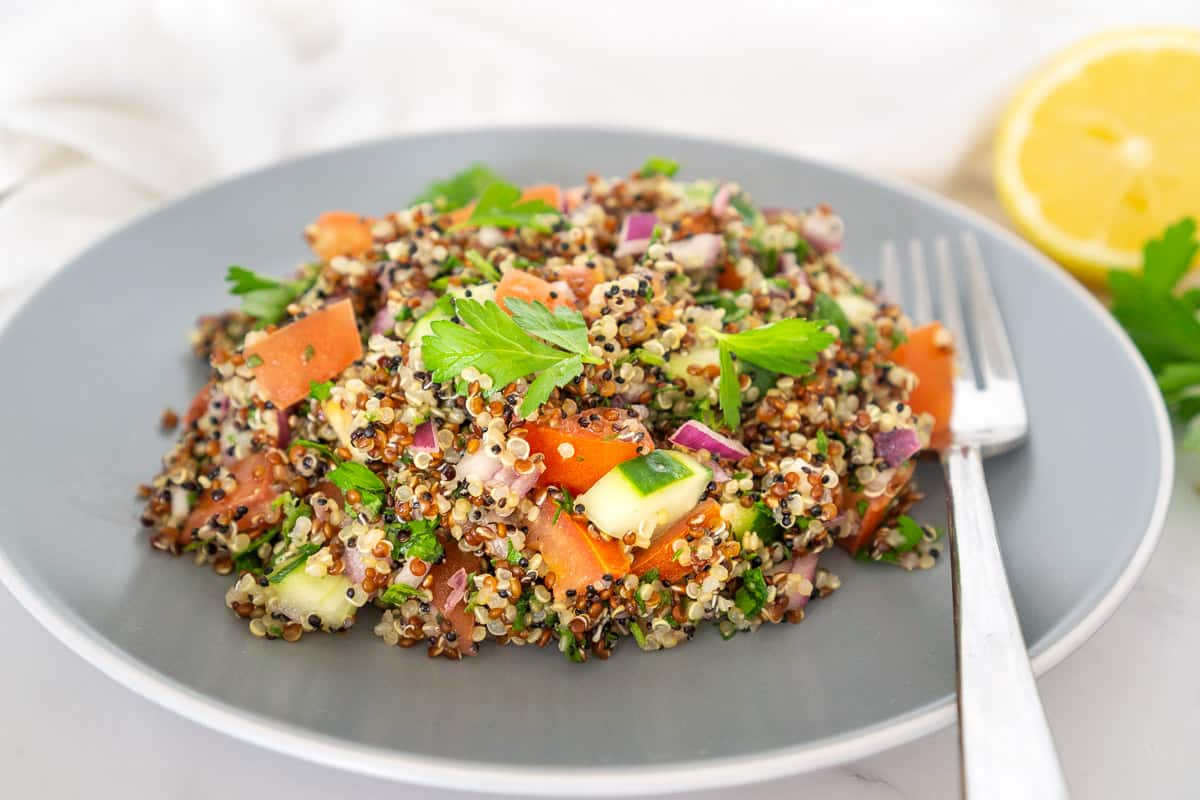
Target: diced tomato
(928, 356)
(581, 279)
(530, 288)
(199, 405)
(340, 233)
(542, 191)
(591, 450)
(462, 622)
(309, 350)
(877, 508)
(576, 557)
(255, 490)
(727, 277)
(660, 555)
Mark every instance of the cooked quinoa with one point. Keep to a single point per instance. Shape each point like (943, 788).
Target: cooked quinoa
(653, 468)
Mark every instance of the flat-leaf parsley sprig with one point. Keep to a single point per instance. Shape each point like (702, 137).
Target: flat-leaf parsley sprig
(500, 206)
(789, 346)
(1163, 322)
(266, 298)
(504, 347)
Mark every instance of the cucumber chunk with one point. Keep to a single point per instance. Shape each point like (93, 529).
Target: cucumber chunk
(646, 493)
(757, 518)
(301, 595)
(677, 367)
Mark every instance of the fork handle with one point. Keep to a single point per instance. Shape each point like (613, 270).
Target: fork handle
(1006, 747)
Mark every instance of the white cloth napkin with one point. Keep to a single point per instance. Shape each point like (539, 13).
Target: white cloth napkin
(108, 109)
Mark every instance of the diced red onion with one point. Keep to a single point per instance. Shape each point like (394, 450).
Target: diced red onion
(823, 230)
(573, 198)
(698, 436)
(805, 567)
(718, 472)
(407, 577)
(425, 438)
(897, 446)
(479, 465)
(696, 252)
(636, 230)
(516, 482)
(720, 201)
(878, 485)
(458, 590)
(285, 429)
(383, 320)
(352, 563)
(490, 237)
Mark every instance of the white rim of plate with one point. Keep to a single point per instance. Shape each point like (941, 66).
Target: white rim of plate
(680, 776)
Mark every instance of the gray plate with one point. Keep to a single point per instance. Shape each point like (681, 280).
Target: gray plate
(90, 363)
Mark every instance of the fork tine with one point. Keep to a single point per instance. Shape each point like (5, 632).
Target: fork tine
(889, 274)
(993, 354)
(952, 308)
(921, 310)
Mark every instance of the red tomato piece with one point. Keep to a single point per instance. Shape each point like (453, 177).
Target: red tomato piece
(576, 557)
(462, 622)
(577, 454)
(660, 555)
(255, 476)
(309, 350)
(927, 355)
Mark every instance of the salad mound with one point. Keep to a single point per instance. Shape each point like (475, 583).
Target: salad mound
(626, 409)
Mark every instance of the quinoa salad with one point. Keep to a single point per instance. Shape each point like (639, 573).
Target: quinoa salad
(550, 416)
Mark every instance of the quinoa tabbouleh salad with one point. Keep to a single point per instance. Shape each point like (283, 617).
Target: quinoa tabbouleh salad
(545, 416)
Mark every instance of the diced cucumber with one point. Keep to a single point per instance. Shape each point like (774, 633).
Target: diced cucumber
(859, 310)
(677, 367)
(301, 595)
(443, 310)
(757, 518)
(650, 491)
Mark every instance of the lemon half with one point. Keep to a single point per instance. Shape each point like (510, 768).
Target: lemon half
(1100, 150)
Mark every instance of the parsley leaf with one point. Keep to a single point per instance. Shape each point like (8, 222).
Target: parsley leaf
(752, 595)
(822, 442)
(1162, 323)
(302, 554)
(513, 556)
(323, 449)
(522, 609)
(397, 593)
(319, 391)
(501, 206)
(264, 298)
(459, 189)
(829, 310)
(750, 215)
(788, 346)
(492, 342)
(564, 327)
(729, 390)
(416, 539)
(639, 635)
(352, 475)
(485, 267)
(911, 532)
(565, 503)
(657, 165)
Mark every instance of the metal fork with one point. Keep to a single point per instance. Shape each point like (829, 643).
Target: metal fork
(1005, 743)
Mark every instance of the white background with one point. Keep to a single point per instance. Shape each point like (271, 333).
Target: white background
(106, 110)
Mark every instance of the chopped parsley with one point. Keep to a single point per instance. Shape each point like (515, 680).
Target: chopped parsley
(570, 645)
(638, 634)
(320, 391)
(657, 165)
(829, 310)
(522, 608)
(459, 189)
(500, 206)
(397, 593)
(565, 503)
(302, 554)
(485, 267)
(254, 360)
(752, 595)
(416, 539)
(513, 556)
(822, 442)
(264, 298)
(350, 475)
(911, 532)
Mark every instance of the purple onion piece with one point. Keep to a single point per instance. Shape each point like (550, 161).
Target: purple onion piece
(696, 252)
(823, 230)
(897, 446)
(383, 321)
(636, 230)
(285, 429)
(698, 436)
(720, 201)
(425, 438)
(458, 589)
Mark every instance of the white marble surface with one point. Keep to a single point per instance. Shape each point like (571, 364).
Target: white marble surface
(1125, 709)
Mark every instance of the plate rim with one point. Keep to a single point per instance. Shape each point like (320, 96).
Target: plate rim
(458, 773)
